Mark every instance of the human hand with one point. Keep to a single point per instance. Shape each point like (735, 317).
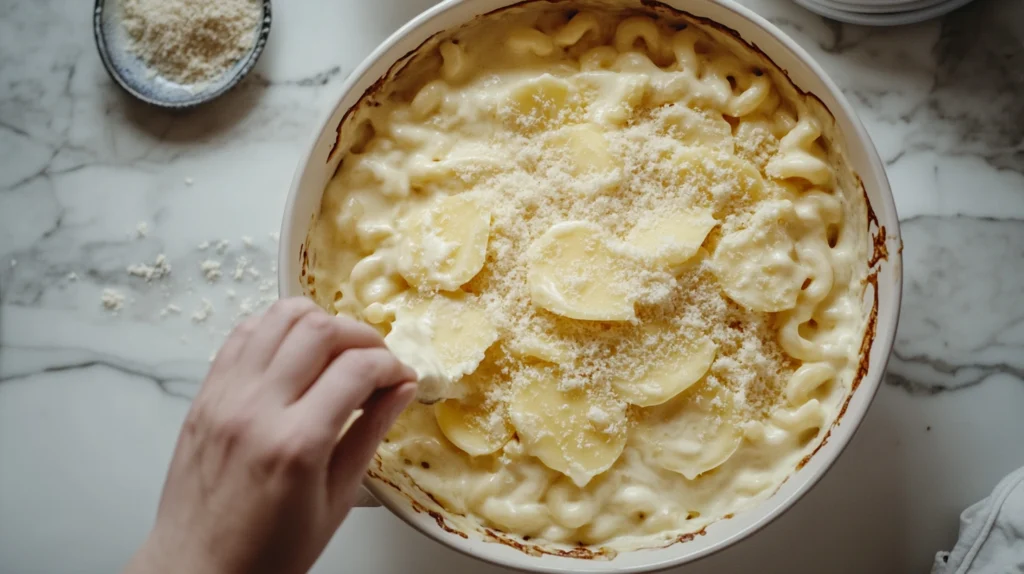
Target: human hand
(260, 481)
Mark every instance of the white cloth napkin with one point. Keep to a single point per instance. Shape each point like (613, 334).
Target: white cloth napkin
(991, 534)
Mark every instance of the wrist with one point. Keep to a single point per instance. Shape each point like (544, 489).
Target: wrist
(158, 555)
(148, 559)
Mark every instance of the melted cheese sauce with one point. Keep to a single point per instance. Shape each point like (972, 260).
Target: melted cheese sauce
(632, 258)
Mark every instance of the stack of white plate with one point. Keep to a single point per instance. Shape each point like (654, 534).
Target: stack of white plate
(881, 12)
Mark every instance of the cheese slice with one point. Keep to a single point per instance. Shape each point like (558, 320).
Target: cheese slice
(576, 431)
(586, 147)
(575, 271)
(757, 265)
(444, 245)
(673, 237)
(667, 374)
(473, 423)
(443, 339)
(694, 433)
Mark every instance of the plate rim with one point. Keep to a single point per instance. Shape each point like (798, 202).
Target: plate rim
(885, 19)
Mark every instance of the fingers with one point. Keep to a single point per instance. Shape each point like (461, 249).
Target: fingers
(315, 341)
(352, 455)
(348, 382)
(231, 350)
(275, 325)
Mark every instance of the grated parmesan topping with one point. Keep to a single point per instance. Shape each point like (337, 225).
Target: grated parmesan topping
(541, 189)
(655, 272)
(188, 41)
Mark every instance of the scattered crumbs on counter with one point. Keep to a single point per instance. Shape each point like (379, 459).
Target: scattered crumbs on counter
(210, 269)
(245, 307)
(244, 300)
(159, 269)
(112, 300)
(141, 230)
(72, 276)
(929, 428)
(189, 181)
(204, 312)
(14, 262)
(275, 236)
(183, 339)
(241, 263)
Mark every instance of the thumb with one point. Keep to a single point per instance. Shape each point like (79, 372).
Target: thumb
(352, 455)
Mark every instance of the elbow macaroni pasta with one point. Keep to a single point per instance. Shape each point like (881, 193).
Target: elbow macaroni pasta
(636, 253)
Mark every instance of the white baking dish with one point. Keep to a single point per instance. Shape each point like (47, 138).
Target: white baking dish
(318, 166)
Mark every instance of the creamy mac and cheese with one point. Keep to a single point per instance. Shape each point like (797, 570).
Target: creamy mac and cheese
(626, 255)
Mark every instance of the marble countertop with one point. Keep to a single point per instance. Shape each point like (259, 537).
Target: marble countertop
(92, 183)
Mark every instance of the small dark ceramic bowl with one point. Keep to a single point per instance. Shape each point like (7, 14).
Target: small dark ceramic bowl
(132, 74)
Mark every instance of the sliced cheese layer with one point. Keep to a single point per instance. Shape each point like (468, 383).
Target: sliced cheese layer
(412, 340)
(576, 272)
(727, 183)
(586, 148)
(611, 97)
(444, 245)
(693, 433)
(474, 423)
(542, 102)
(698, 127)
(542, 346)
(444, 339)
(667, 374)
(671, 237)
(756, 265)
(576, 431)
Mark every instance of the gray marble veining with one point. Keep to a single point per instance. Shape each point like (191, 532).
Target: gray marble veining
(82, 165)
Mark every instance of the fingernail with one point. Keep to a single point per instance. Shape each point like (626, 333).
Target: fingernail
(410, 373)
(401, 398)
(406, 393)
